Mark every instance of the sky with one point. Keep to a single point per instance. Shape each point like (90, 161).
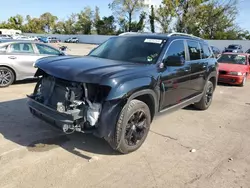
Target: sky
(63, 8)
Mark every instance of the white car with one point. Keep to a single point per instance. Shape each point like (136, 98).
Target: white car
(5, 37)
(23, 38)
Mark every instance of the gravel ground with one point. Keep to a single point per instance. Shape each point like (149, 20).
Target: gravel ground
(35, 155)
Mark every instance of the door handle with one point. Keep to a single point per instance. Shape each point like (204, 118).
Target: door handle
(12, 57)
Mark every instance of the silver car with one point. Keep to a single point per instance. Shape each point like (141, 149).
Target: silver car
(18, 57)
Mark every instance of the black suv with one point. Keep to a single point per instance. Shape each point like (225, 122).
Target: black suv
(118, 88)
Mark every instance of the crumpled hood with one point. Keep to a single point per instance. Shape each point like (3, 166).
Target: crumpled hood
(88, 69)
(233, 67)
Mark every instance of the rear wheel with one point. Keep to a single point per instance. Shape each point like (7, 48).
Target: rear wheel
(132, 127)
(7, 77)
(207, 97)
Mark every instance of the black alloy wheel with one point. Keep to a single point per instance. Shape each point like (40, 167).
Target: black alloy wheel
(136, 128)
(207, 97)
(209, 94)
(132, 127)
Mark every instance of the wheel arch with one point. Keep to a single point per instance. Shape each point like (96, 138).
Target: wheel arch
(149, 97)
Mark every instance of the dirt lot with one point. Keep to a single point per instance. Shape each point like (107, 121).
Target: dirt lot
(34, 155)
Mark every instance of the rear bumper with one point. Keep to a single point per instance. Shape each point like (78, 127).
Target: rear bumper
(230, 79)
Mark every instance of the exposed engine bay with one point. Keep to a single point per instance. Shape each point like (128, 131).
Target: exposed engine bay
(81, 102)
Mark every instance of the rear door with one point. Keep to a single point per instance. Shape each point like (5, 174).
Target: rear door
(198, 67)
(22, 57)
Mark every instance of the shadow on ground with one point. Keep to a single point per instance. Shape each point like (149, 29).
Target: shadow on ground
(27, 81)
(19, 126)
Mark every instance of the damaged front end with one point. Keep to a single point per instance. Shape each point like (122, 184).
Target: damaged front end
(71, 106)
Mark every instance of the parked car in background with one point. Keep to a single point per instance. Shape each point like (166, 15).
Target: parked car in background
(17, 59)
(5, 37)
(33, 38)
(53, 40)
(72, 40)
(216, 51)
(116, 95)
(234, 68)
(43, 39)
(23, 38)
(235, 48)
(248, 51)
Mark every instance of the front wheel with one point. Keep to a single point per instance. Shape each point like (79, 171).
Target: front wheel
(7, 77)
(244, 81)
(132, 127)
(207, 97)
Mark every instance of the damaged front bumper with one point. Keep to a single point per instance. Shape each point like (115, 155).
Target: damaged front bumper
(70, 107)
(67, 122)
(62, 120)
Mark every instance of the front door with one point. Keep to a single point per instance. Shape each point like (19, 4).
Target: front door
(175, 80)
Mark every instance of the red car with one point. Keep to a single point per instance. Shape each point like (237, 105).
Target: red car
(234, 68)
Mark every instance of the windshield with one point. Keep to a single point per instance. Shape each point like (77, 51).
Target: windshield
(233, 59)
(233, 46)
(130, 49)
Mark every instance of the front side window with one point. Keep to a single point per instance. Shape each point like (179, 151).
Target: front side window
(233, 59)
(44, 49)
(194, 50)
(137, 49)
(176, 48)
(21, 48)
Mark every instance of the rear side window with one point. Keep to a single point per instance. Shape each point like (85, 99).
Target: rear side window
(194, 50)
(205, 51)
(176, 49)
(21, 48)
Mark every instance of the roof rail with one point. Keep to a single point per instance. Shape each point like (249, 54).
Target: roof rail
(129, 33)
(183, 34)
(133, 33)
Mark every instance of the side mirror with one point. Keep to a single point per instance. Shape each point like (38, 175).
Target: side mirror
(174, 61)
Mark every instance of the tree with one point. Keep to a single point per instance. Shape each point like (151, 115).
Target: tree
(183, 10)
(139, 26)
(126, 9)
(165, 14)
(33, 25)
(84, 22)
(152, 19)
(69, 25)
(215, 20)
(106, 26)
(49, 21)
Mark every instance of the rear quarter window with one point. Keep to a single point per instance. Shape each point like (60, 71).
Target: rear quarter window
(205, 51)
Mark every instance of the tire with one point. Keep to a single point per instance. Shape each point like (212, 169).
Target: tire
(244, 81)
(123, 129)
(7, 77)
(207, 97)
